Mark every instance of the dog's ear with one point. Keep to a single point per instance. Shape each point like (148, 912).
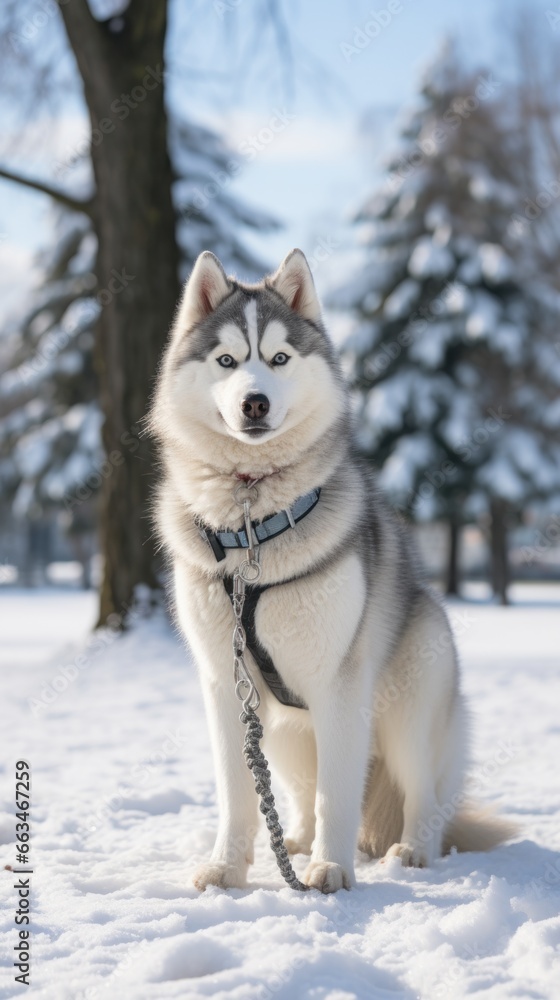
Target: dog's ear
(294, 282)
(205, 289)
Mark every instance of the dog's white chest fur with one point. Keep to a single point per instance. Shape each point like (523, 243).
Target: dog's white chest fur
(308, 626)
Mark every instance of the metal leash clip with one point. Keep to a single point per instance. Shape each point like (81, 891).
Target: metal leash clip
(244, 685)
(250, 569)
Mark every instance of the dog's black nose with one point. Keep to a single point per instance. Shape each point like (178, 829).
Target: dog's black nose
(255, 406)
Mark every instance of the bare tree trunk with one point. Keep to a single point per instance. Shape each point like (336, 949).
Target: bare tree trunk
(122, 69)
(499, 566)
(452, 581)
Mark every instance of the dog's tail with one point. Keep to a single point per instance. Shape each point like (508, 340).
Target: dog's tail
(475, 828)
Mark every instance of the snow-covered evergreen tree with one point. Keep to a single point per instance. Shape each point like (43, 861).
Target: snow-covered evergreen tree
(209, 215)
(51, 456)
(452, 353)
(50, 423)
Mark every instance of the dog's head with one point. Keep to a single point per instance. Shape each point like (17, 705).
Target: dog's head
(251, 362)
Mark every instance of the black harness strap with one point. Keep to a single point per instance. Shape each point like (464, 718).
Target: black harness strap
(261, 657)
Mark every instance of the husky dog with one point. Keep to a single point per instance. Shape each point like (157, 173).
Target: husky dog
(353, 657)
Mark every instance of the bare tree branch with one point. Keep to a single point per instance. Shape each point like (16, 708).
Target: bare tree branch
(33, 49)
(275, 15)
(75, 204)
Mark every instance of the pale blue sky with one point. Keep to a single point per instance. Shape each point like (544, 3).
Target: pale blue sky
(317, 168)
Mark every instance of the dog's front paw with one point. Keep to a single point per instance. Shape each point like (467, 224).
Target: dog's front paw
(411, 857)
(221, 874)
(326, 876)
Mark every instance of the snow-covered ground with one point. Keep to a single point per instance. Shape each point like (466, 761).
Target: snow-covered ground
(124, 805)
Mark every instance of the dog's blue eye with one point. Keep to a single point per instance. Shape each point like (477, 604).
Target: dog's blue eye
(280, 358)
(226, 361)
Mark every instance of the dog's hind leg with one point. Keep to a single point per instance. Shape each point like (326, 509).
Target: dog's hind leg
(421, 838)
(293, 756)
(382, 811)
(420, 737)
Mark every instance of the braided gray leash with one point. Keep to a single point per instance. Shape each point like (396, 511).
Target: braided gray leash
(249, 572)
(258, 764)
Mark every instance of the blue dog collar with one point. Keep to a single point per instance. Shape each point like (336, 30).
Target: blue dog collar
(271, 527)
